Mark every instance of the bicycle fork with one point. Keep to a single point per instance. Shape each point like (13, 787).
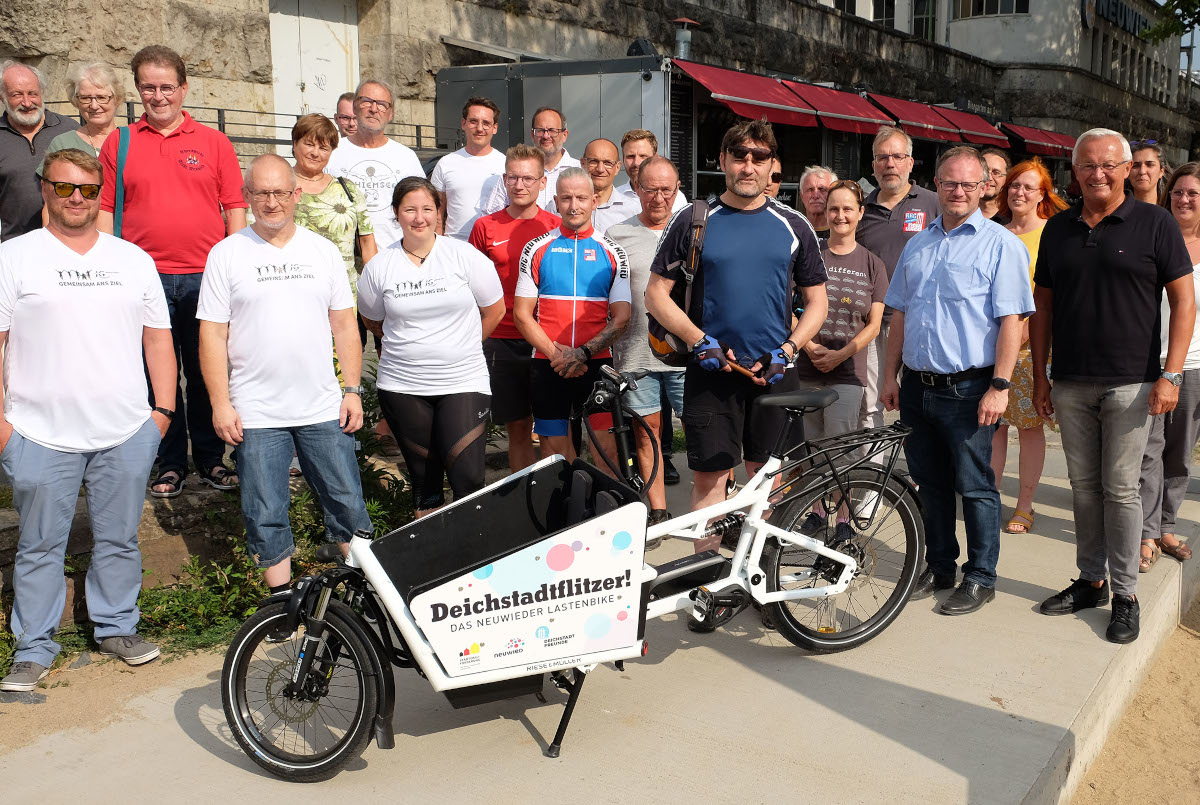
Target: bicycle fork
(310, 647)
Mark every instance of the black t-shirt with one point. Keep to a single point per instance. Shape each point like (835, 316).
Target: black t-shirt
(1107, 283)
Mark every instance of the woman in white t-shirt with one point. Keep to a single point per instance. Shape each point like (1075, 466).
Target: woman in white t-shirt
(434, 300)
(1167, 462)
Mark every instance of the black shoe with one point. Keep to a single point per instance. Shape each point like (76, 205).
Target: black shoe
(670, 474)
(969, 597)
(929, 582)
(1126, 614)
(812, 524)
(1080, 595)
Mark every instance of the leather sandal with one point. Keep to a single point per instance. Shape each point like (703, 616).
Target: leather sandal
(1020, 523)
(1147, 562)
(1178, 551)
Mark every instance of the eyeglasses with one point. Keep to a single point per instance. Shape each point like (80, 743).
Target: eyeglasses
(547, 132)
(1190, 195)
(608, 164)
(661, 192)
(344, 118)
(279, 195)
(950, 187)
(84, 100)
(996, 172)
(522, 181)
(166, 90)
(66, 189)
(756, 155)
(883, 159)
(1107, 167)
(776, 177)
(363, 100)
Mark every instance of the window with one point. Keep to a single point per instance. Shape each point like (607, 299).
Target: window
(847, 6)
(884, 12)
(965, 9)
(925, 19)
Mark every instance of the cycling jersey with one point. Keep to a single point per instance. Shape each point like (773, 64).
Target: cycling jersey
(575, 276)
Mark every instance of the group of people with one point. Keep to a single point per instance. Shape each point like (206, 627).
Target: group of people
(498, 287)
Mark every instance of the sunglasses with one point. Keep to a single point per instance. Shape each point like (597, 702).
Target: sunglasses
(757, 155)
(66, 189)
(776, 177)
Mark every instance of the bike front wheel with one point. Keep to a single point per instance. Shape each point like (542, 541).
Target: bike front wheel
(886, 539)
(310, 737)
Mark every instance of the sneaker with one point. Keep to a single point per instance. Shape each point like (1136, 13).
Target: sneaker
(812, 524)
(24, 677)
(1126, 614)
(670, 474)
(731, 488)
(656, 517)
(130, 648)
(842, 534)
(1080, 595)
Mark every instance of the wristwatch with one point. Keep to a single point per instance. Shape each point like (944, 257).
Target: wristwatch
(1175, 378)
(352, 390)
(1000, 384)
(587, 353)
(792, 344)
(167, 412)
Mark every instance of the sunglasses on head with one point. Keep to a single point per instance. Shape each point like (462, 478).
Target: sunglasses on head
(66, 189)
(758, 155)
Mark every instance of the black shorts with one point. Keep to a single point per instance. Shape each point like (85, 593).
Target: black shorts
(508, 362)
(721, 422)
(556, 399)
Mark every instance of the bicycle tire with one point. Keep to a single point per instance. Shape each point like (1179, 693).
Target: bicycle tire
(814, 623)
(254, 715)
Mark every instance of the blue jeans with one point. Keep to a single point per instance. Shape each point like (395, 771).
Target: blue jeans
(45, 488)
(327, 459)
(183, 293)
(948, 452)
(648, 397)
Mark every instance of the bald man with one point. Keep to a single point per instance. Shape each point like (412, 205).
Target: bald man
(602, 161)
(275, 297)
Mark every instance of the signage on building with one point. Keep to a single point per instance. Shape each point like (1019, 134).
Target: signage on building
(1116, 12)
(976, 106)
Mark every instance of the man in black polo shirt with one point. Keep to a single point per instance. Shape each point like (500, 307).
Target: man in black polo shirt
(1101, 267)
(892, 214)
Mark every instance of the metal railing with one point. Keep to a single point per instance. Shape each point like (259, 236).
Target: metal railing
(254, 132)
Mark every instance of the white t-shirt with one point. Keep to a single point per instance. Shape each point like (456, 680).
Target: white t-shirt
(1192, 359)
(276, 302)
(376, 171)
(468, 182)
(432, 334)
(498, 200)
(73, 375)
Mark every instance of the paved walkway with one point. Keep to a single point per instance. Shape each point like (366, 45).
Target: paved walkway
(1003, 706)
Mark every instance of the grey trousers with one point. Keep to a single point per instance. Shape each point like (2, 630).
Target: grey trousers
(843, 416)
(1104, 429)
(1167, 463)
(872, 409)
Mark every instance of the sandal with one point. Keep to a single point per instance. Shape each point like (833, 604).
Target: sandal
(1147, 562)
(1178, 551)
(220, 478)
(172, 478)
(1020, 523)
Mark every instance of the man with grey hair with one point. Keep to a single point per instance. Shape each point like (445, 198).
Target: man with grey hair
(814, 190)
(372, 160)
(960, 292)
(892, 214)
(26, 129)
(1101, 267)
(275, 298)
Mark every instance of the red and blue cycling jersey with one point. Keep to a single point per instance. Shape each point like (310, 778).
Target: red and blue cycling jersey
(574, 276)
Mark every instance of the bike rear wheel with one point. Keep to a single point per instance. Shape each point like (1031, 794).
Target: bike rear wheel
(888, 551)
(309, 739)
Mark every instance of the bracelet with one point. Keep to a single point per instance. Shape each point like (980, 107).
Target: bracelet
(587, 353)
(167, 412)
(795, 349)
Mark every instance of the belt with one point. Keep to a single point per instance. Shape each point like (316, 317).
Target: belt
(942, 381)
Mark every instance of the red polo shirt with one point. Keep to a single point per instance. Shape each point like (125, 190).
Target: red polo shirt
(175, 189)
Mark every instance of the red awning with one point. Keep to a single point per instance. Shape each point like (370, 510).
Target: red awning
(1066, 141)
(974, 128)
(918, 119)
(1039, 141)
(841, 111)
(751, 96)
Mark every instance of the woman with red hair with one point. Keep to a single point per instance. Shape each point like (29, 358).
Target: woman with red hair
(1029, 199)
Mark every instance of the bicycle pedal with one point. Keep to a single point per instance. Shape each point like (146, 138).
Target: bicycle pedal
(712, 610)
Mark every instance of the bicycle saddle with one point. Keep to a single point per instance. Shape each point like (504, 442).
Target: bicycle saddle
(812, 399)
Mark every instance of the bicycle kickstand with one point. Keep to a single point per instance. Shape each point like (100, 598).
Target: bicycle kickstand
(574, 688)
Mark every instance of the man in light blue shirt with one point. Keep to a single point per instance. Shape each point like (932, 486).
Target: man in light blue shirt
(960, 290)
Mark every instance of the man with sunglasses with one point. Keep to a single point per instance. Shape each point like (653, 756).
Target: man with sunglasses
(893, 213)
(1102, 267)
(756, 251)
(960, 292)
(75, 409)
(372, 160)
(549, 132)
(182, 194)
(502, 236)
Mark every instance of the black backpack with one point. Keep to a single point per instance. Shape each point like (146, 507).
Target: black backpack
(666, 346)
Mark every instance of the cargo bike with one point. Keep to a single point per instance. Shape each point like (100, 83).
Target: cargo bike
(544, 574)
